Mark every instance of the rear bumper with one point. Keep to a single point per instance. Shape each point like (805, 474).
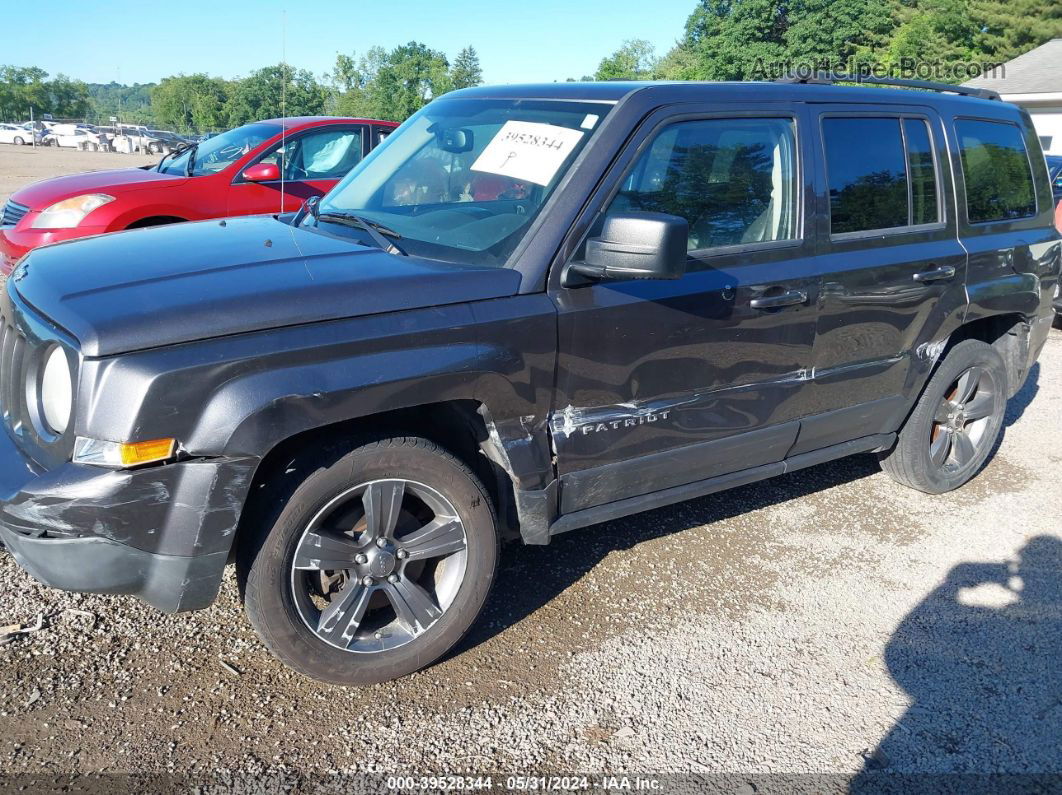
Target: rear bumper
(162, 534)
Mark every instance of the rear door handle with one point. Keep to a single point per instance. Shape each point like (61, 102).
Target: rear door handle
(936, 275)
(791, 298)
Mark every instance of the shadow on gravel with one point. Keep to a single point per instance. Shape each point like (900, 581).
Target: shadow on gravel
(980, 658)
(530, 577)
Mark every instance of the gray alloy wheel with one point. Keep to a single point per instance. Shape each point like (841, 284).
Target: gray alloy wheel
(18, 141)
(962, 419)
(953, 427)
(367, 559)
(379, 565)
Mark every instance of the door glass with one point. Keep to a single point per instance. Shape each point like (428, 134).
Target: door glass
(867, 174)
(999, 184)
(922, 173)
(328, 154)
(733, 180)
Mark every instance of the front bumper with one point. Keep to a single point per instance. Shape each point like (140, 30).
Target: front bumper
(17, 241)
(98, 565)
(162, 534)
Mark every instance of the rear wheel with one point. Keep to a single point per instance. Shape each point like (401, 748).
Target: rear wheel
(375, 566)
(955, 424)
(18, 141)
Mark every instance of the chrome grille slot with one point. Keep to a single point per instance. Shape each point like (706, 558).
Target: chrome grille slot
(13, 212)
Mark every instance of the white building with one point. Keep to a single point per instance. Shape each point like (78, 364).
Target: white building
(1034, 81)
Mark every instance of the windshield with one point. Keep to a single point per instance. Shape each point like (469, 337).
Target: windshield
(463, 179)
(220, 151)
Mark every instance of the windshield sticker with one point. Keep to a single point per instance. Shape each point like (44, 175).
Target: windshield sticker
(590, 121)
(528, 151)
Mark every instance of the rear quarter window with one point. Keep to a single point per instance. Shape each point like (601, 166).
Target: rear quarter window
(996, 171)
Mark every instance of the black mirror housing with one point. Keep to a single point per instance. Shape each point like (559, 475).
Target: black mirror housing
(455, 140)
(636, 245)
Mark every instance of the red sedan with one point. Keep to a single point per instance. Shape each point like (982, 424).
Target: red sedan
(265, 167)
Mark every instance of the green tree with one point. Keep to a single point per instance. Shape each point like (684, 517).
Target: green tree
(409, 77)
(68, 98)
(128, 103)
(634, 60)
(276, 91)
(191, 102)
(351, 80)
(835, 32)
(23, 88)
(466, 71)
(1008, 28)
(728, 39)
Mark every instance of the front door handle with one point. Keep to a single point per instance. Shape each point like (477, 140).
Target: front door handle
(936, 274)
(791, 298)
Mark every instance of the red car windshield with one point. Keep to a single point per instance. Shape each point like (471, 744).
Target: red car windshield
(221, 151)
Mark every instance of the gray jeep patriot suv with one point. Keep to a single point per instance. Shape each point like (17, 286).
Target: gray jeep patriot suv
(532, 309)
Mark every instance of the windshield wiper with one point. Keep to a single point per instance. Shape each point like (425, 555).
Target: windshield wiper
(180, 150)
(376, 231)
(191, 159)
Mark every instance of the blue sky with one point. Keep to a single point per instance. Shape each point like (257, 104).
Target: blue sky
(542, 40)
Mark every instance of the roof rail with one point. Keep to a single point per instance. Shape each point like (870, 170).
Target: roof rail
(830, 78)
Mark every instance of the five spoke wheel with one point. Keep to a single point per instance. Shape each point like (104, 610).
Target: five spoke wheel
(961, 419)
(379, 565)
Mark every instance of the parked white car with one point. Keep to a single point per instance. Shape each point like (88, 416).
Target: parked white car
(10, 134)
(72, 137)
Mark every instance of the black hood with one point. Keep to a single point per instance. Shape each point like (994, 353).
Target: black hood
(152, 287)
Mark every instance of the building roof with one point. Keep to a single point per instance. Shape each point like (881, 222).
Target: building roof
(1038, 71)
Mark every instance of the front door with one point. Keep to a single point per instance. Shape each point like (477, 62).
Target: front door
(664, 383)
(311, 164)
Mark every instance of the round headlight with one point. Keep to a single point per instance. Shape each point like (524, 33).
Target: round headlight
(57, 391)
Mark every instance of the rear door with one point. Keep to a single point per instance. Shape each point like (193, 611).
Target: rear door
(664, 383)
(311, 163)
(892, 268)
(1006, 214)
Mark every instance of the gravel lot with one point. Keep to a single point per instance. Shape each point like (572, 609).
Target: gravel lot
(828, 622)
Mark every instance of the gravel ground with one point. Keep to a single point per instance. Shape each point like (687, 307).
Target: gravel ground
(825, 623)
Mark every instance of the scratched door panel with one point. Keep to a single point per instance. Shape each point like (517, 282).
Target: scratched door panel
(652, 366)
(648, 367)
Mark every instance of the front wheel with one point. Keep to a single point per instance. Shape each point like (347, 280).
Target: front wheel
(375, 566)
(18, 141)
(955, 424)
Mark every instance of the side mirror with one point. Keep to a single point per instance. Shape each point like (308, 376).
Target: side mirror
(262, 172)
(635, 246)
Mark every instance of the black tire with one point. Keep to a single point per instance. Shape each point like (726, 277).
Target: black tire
(18, 140)
(939, 447)
(273, 584)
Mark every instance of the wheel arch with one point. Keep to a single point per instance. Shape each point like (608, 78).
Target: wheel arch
(156, 220)
(1008, 333)
(462, 427)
